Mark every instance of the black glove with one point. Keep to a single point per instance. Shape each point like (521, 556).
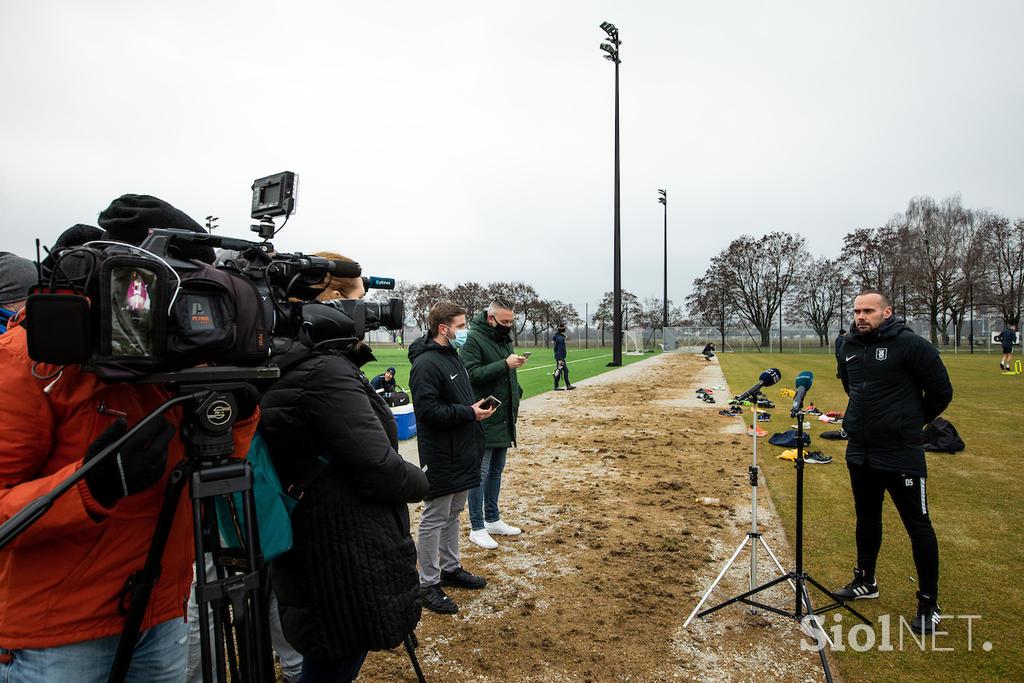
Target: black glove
(139, 463)
(247, 399)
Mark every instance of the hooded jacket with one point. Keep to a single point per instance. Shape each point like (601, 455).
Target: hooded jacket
(450, 440)
(559, 341)
(349, 583)
(897, 384)
(484, 355)
(61, 580)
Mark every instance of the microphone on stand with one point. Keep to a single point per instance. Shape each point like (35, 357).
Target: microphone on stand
(803, 384)
(767, 378)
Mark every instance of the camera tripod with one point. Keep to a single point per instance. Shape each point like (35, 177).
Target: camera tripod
(798, 578)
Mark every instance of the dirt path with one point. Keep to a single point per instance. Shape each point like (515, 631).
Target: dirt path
(616, 550)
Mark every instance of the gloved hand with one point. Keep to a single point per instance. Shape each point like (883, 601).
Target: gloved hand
(138, 464)
(247, 399)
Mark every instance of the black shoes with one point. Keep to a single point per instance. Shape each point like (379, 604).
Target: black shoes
(569, 387)
(928, 615)
(559, 389)
(858, 589)
(435, 600)
(460, 578)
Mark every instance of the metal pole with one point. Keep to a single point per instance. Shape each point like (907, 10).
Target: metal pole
(780, 324)
(586, 326)
(617, 341)
(971, 335)
(664, 322)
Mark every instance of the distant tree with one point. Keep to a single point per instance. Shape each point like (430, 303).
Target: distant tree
(472, 296)
(522, 296)
(1004, 250)
(604, 315)
(712, 301)
(426, 296)
(817, 300)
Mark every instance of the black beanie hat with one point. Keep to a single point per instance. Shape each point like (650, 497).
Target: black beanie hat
(130, 217)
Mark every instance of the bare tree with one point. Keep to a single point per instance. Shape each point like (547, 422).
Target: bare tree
(712, 302)
(817, 300)
(521, 296)
(604, 316)
(761, 272)
(426, 296)
(1004, 250)
(472, 296)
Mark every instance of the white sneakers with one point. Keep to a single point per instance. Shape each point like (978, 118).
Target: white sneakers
(499, 528)
(482, 539)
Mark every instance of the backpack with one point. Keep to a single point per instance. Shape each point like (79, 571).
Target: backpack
(940, 435)
(274, 506)
(787, 439)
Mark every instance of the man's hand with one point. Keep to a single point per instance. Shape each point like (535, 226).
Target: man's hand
(515, 361)
(139, 463)
(480, 412)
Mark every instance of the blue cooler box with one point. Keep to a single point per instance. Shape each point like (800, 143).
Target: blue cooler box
(406, 420)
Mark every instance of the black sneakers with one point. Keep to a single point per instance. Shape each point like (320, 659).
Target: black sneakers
(858, 589)
(460, 578)
(928, 615)
(817, 458)
(435, 600)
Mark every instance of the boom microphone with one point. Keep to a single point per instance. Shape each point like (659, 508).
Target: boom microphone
(767, 378)
(803, 384)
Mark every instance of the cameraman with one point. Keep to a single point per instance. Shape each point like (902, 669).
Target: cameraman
(63, 578)
(17, 275)
(349, 584)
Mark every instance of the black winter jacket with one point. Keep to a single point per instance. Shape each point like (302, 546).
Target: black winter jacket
(349, 583)
(559, 341)
(450, 440)
(897, 384)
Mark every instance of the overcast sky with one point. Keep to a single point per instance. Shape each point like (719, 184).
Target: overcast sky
(451, 141)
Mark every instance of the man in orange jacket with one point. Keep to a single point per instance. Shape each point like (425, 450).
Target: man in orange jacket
(62, 579)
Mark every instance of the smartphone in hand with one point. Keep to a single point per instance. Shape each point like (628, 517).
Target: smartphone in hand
(527, 354)
(490, 402)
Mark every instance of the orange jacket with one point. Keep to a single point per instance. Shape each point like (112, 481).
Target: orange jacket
(61, 580)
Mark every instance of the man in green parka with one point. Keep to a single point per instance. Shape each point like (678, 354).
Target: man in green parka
(491, 361)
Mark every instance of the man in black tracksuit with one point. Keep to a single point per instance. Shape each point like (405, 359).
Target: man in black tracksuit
(897, 384)
(561, 368)
(451, 445)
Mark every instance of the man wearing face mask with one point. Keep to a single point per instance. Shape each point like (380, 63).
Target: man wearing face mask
(451, 443)
(492, 366)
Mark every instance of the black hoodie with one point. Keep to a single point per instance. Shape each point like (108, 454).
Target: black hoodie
(897, 384)
(450, 440)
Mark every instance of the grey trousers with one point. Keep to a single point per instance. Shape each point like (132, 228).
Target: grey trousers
(438, 542)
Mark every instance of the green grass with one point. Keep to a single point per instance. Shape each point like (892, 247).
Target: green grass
(535, 377)
(975, 504)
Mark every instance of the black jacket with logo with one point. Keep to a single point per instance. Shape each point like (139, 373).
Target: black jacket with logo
(897, 384)
(450, 440)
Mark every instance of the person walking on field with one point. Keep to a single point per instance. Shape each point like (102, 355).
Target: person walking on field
(1007, 338)
(561, 368)
(492, 366)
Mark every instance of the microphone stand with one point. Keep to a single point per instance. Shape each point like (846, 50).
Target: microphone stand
(803, 612)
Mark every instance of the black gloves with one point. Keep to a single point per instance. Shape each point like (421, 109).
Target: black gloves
(139, 463)
(247, 399)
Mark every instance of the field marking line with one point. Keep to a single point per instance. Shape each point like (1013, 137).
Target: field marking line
(568, 362)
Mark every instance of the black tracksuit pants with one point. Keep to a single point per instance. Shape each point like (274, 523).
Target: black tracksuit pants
(910, 498)
(561, 370)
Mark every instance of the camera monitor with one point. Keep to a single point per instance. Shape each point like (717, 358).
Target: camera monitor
(274, 195)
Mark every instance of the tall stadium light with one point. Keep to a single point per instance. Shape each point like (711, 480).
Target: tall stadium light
(612, 50)
(663, 200)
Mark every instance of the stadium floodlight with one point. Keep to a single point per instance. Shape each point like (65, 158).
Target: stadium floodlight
(663, 200)
(612, 50)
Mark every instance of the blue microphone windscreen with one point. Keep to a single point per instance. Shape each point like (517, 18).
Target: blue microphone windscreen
(805, 379)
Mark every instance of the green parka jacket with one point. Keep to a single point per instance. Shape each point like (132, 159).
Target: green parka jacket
(484, 355)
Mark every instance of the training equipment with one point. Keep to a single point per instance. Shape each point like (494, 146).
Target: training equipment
(940, 435)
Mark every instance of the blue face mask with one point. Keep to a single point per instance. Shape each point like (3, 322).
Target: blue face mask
(460, 338)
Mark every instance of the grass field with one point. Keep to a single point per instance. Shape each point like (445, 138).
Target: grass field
(975, 504)
(535, 377)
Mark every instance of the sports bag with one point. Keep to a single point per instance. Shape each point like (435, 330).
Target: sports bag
(940, 435)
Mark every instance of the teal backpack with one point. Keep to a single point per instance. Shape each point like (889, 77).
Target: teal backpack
(274, 506)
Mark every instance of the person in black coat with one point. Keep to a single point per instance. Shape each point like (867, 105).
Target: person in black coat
(897, 384)
(1007, 338)
(384, 382)
(561, 367)
(349, 583)
(451, 445)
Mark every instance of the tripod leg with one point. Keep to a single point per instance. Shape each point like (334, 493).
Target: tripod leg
(714, 583)
(774, 559)
(824, 635)
(410, 647)
(139, 586)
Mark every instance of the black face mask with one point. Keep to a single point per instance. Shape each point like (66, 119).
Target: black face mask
(502, 331)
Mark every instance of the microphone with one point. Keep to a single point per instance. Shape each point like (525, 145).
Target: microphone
(767, 378)
(803, 384)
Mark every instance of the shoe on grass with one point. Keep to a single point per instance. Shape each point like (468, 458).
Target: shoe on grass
(559, 389)
(460, 578)
(435, 600)
(858, 589)
(499, 528)
(817, 458)
(483, 539)
(928, 615)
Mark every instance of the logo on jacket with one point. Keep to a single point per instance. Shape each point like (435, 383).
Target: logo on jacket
(454, 376)
(881, 354)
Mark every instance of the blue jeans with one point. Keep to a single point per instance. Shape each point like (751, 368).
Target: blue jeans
(159, 658)
(483, 500)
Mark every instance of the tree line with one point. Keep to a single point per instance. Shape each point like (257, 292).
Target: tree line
(936, 261)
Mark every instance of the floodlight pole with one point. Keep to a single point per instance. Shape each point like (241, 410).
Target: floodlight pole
(663, 200)
(613, 55)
